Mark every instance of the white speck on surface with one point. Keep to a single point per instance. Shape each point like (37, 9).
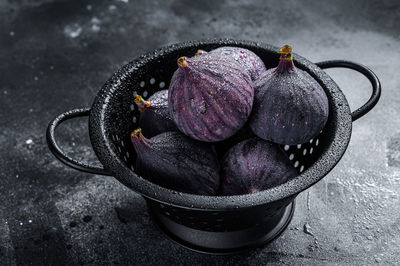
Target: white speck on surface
(124, 1)
(29, 221)
(36, 78)
(73, 31)
(51, 67)
(17, 175)
(21, 223)
(5, 92)
(89, 7)
(112, 7)
(95, 20)
(12, 33)
(30, 110)
(29, 141)
(95, 28)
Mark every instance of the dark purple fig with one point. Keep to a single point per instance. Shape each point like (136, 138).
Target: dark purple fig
(175, 161)
(244, 133)
(246, 58)
(154, 117)
(254, 165)
(210, 99)
(290, 107)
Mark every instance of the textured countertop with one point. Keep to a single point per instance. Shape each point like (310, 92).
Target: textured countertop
(55, 55)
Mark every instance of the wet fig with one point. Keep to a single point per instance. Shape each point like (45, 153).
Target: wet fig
(210, 99)
(254, 165)
(244, 133)
(175, 161)
(154, 117)
(290, 107)
(246, 58)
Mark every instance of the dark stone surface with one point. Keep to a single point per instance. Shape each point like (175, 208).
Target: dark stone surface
(55, 55)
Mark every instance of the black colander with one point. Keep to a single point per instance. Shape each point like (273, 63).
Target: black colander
(211, 224)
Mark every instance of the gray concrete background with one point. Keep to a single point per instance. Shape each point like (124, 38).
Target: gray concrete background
(55, 55)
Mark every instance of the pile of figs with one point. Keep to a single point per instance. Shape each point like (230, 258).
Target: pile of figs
(218, 128)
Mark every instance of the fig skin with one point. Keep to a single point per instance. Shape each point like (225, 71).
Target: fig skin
(254, 165)
(246, 58)
(210, 99)
(290, 107)
(244, 133)
(154, 117)
(177, 162)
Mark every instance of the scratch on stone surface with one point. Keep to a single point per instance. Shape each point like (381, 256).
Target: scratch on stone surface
(7, 249)
(393, 151)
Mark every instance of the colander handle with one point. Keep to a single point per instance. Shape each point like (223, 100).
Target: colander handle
(376, 84)
(56, 150)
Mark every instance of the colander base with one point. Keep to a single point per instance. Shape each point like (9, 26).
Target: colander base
(223, 243)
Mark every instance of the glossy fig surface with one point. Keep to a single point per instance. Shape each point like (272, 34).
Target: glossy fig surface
(254, 165)
(244, 133)
(290, 107)
(210, 99)
(154, 117)
(175, 161)
(246, 58)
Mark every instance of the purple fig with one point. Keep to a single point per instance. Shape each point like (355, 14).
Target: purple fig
(244, 133)
(175, 161)
(210, 99)
(290, 107)
(254, 165)
(154, 117)
(246, 58)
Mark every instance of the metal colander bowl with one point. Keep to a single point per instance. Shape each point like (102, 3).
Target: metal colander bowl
(211, 224)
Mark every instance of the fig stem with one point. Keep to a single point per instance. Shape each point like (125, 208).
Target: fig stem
(286, 52)
(136, 133)
(141, 103)
(182, 61)
(200, 52)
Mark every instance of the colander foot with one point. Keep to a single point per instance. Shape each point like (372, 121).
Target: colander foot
(224, 243)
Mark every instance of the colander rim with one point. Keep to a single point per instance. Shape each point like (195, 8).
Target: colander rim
(342, 128)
